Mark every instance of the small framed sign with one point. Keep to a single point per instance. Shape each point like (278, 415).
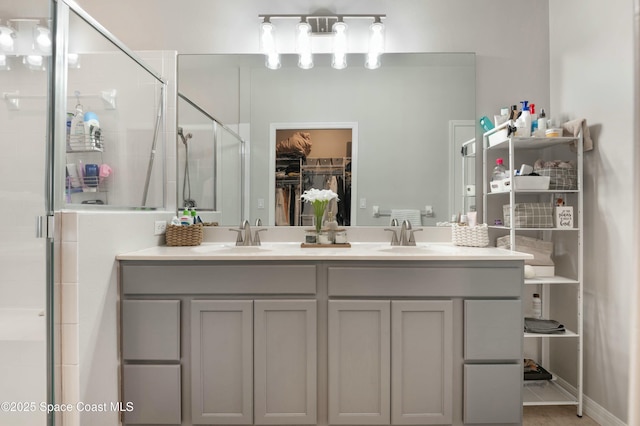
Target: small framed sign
(564, 217)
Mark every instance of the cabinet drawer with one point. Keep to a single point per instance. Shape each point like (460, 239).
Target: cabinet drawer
(426, 281)
(154, 391)
(492, 330)
(493, 393)
(188, 278)
(151, 330)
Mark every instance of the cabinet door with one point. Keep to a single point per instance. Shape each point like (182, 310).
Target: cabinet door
(285, 361)
(154, 391)
(421, 365)
(492, 330)
(359, 362)
(221, 362)
(492, 394)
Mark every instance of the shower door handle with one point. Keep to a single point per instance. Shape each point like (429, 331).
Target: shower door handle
(44, 226)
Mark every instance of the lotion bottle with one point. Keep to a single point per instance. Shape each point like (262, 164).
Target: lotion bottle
(523, 124)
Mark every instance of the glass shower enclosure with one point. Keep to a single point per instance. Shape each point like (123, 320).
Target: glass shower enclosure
(56, 64)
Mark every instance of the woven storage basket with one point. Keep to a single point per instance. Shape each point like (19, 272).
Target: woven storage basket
(529, 215)
(560, 178)
(470, 236)
(178, 235)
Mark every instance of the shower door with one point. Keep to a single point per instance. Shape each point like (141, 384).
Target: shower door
(26, 261)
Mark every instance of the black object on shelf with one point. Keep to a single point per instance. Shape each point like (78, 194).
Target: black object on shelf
(533, 371)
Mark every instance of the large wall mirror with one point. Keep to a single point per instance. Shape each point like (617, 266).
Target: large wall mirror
(408, 119)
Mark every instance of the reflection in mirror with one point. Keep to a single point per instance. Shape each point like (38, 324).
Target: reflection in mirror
(208, 155)
(408, 156)
(308, 158)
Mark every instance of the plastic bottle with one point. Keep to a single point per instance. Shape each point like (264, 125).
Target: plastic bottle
(499, 171)
(534, 119)
(185, 218)
(485, 123)
(194, 216)
(76, 132)
(523, 124)
(536, 305)
(542, 122)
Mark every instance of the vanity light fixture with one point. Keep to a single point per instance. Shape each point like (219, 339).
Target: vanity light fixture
(323, 25)
(4, 63)
(73, 60)
(303, 45)
(268, 40)
(34, 62)
(339, 60)
(376, 44)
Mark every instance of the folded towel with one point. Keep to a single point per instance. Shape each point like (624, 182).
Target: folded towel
(543, 326)
(573, 128)
(413, 216)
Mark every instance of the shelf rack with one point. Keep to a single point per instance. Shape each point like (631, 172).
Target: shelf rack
(556, 391)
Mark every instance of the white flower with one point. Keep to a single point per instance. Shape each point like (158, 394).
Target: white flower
(312, 195)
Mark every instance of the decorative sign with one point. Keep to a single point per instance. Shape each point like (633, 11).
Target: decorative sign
(564, 217)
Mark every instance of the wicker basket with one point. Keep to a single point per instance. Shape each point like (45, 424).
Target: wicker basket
(178, 235)
(470, 236)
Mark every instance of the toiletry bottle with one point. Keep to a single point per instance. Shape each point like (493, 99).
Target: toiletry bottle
(499, 171)
(194, 216)
(523, 123)
(76, 132)
(534, 119)
(536, 306)
(185, 218)
(332, 225)
(542, 122)
(502, 118)
(485, 123)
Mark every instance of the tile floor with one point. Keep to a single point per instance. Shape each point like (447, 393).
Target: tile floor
(555, 416)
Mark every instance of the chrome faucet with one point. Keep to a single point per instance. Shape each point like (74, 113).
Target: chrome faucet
(406, 234)
(244, 234)
(394, 234)
(245, 229)
(256, 235)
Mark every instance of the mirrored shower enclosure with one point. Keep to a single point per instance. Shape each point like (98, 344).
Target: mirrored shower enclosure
(210, 174)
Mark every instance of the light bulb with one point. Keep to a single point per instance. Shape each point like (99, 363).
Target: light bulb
(43, 38)
(376, 45)
(34, 62)
(7, 36)
(303, 45)
(339, 46)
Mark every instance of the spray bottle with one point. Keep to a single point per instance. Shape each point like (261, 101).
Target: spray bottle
(523, 124)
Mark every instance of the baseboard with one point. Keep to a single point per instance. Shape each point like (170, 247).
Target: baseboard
(592, 408)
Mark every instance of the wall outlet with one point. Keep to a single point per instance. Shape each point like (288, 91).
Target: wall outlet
(160, 227)
(261, 203)
(363, 203)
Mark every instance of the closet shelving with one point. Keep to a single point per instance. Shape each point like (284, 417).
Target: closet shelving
(563, 351)
(298, 174)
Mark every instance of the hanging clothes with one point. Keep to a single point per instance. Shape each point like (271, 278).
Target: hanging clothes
(281, 214)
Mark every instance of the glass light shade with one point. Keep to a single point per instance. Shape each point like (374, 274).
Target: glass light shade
(34, 62)
(43, 38)
(339, 46)
(303, 45)
(273, 61)
(7, 36)
(4, 63)
(267, 37)
(376, 45)
(73, 60)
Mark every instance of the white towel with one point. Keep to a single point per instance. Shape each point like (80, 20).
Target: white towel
(413, 216)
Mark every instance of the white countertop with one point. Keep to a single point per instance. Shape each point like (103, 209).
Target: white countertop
(293, 251)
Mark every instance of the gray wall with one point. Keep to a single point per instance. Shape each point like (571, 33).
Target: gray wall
(592, 51)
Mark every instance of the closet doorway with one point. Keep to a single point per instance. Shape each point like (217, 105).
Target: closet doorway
(311, 155)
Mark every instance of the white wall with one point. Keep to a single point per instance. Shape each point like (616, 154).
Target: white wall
(592, 77)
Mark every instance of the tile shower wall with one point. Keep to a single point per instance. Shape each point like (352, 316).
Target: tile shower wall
(90, 240)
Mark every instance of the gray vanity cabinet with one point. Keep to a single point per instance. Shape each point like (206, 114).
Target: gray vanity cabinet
(253, 361)
(222, 362)
(390, 362)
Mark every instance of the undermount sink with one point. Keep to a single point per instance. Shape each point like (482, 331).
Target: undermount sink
(431, 248)
(229, 248)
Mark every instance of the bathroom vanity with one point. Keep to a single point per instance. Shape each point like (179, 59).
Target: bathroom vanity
(278, 334)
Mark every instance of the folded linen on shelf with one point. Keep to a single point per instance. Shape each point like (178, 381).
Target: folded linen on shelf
(543, 326)
(413, 216)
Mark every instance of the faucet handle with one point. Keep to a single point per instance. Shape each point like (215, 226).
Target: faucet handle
(256, 238)
(258, 222)
(412, 238)
(394, 236)
(394, 222)
(239, 241)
